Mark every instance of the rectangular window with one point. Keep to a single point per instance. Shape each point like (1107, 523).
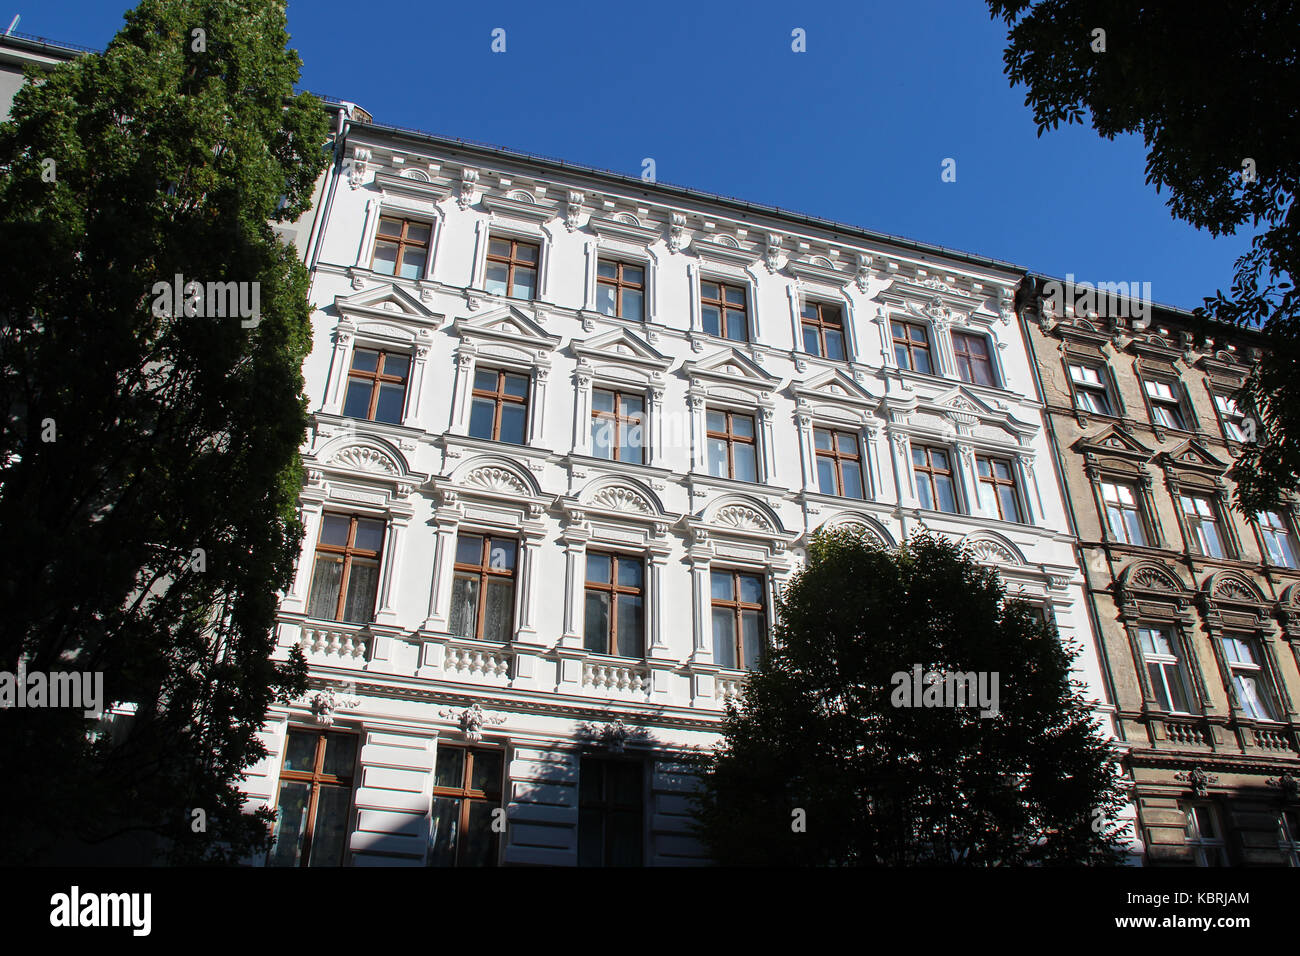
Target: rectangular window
(483, 588)
(512, 268)
(723, 311)
(377, 385)
(1204, 836)
(620, 289)
(974, 363)
(998, 488)
(614, 620)
(401, 247)
(1279, 544)
(934, 485)
(1202, 519)
(1166, 410)
(912, 347)
(499, 410)
(610, 814)
(1288, 836)
(466, 790)
(823, 330)
(345, 581)
(839, 464)
(1090, 392)
(1165, 670)
(314, 801)
(617, 425)
(1248, 680)
(739, 618)
(1231, 418)
(1122, 513)
(732, 451)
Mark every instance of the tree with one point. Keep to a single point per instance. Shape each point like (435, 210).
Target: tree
(832, 757)
(148, 453)
(1214, 91)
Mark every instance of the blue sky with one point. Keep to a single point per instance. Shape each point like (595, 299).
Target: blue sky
(856, 129)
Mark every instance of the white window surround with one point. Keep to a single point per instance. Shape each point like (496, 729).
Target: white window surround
(731, 274)
(382, 317)
(621, 361)
(937, 305)
(518, 220)
(835, 401)
(799, 296)
(403, 197)
(621, 241)
(730, 381)
(505, 338)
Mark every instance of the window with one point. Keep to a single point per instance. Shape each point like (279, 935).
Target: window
(1164, 670)
(314, 800)
(998, 488)
(466, 789)
(912, 347)
(620, 289)
(1122, 514)
(401, 247)
(739, 618)
(823, 330)
(609, 812)
(934, 486)
(377, 386)
(839, 465)
(512, 268)
(732, 450)
(1202, 521)
(1248, 677)
(1279, 545)
(1166, 410)
(974, 364)
(1231, 418)
(1090, 393)
(723, 310)
(617, 425)
(499, 410)
(483, 588)
(614, 621)
(1203, 836)
(1288, 836)
(345, 581)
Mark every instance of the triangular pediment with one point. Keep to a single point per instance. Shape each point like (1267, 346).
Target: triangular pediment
(509, 324)
(730, 364)
(834, 385)
(1192, 454)
(384, 301)
(621, 345)
(1115, 440)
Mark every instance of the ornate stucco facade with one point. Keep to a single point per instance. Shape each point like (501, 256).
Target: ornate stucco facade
(480, 316)
(1197, 605)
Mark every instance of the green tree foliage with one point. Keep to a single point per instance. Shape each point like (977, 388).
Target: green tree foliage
(172, 151)
(1214, 91)
(818, 729)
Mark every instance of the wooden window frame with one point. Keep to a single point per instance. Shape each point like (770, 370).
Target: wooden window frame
(994, 482)
(1257, 669)
(1148, 533)
(820, 323)
(500, 398)
(619, 419)
(1102, 388)
(1217, 522)
(348, 552)
(314, 778)
(732, 439)
(467, 794)
(910, 346)
(618, 284)
(837, 458)
(737, 607)
(403, 243)
(725, 309)
(1201, 845)
(377, 378)
(1174, 404)
(962, 355)
(613, 589)
(607, 806)
(1286, 531)
(1177, 657)
(1228, 418)
(484, 572)
(512, 262)
(930, 471)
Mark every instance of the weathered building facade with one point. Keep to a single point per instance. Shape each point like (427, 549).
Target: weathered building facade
(1198, 606)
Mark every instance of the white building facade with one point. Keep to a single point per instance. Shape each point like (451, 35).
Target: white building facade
(571, 432)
